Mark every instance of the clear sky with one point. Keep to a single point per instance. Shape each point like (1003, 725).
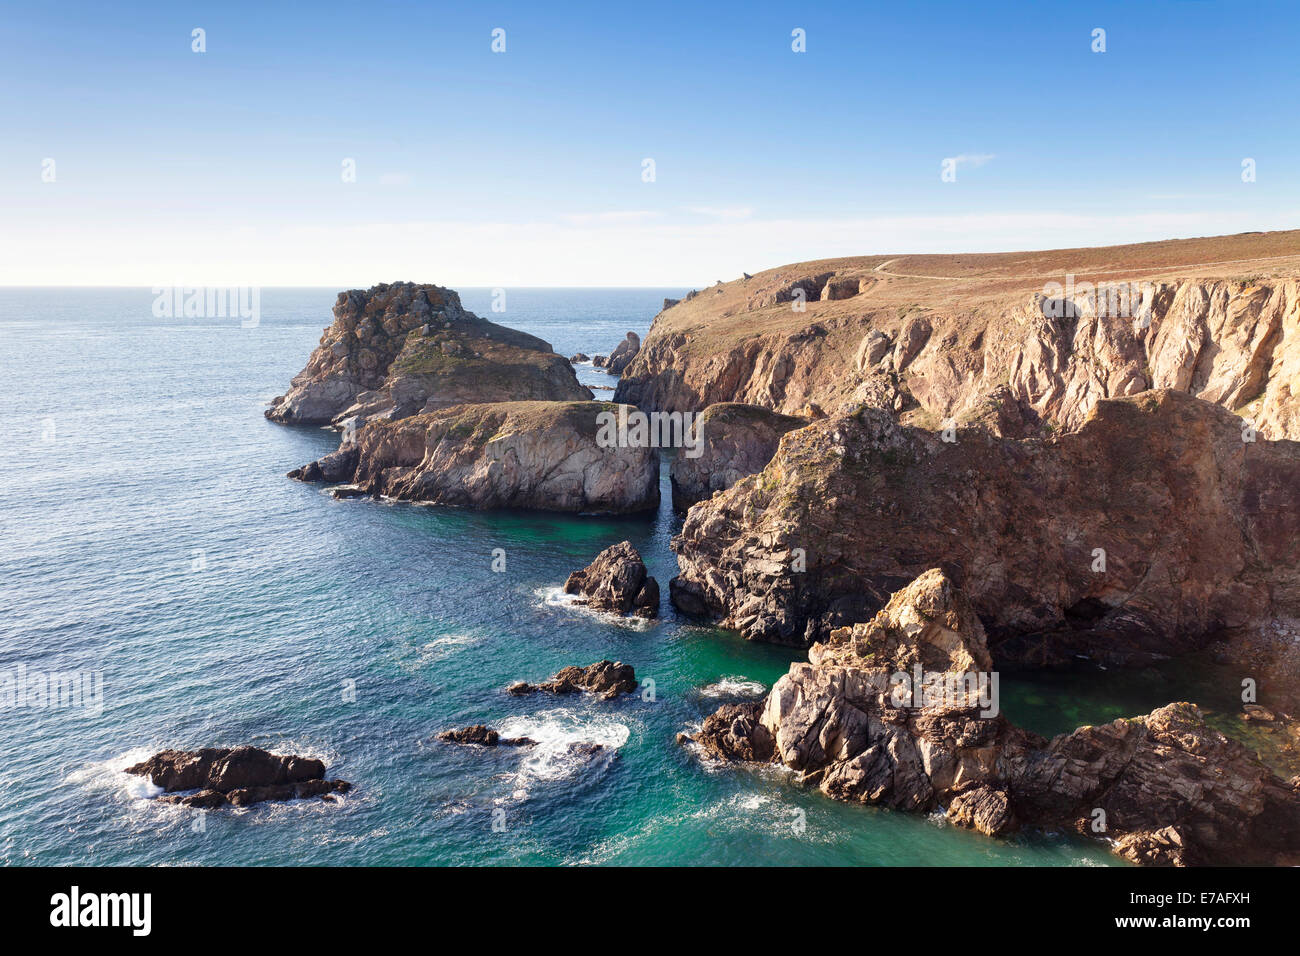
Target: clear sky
(476, 168)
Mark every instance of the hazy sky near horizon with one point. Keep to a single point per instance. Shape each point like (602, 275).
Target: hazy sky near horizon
(476, 168)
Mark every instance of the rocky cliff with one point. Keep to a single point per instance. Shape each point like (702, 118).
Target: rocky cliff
(927, 337)
(1152, 530)
(535, 455)
(1164, 788)
(398, 349)
(735, 440)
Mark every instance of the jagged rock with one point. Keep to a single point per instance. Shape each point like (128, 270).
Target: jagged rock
(483, 736)
(1225, 337)
(607, 679)
(579, 357)
(537, 455)
(1150, 531)
(735, 441)
(623, 354)
(238, 776)
(1162, 847)
(598, 361)
(1171, 789)
(617, 581)
(401, 348)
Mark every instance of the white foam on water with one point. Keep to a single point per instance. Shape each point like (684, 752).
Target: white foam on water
(732, 685)
(111, 775)
(557, 733)
(556, 598)
(441, 647)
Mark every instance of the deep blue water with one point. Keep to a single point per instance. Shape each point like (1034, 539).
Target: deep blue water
(149, 533)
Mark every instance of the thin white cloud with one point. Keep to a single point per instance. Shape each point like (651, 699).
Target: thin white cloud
(975, 160)
(395, 179)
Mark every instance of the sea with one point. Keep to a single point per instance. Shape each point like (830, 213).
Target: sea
(150, 542)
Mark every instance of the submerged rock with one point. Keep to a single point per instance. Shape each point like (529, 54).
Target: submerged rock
(537, 455)
(617, 581)
(608, 679)
(398, 349)
(1170, 789)
(238, 776)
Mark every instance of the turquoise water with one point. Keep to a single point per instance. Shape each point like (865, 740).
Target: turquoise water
(149, 533)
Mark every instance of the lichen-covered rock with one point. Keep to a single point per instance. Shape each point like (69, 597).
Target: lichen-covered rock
(401, 348)
(606, 679)
(735, 441)
(536, 455)
(236, 776)
(617, 581)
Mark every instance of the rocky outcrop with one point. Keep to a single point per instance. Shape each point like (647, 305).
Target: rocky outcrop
(623, 354)
(606, 679)
(536, 455)
(616, 581)
(736, 440)
(579, 357)
(900, 712)
(927, 337)
(1151, 531)
(238, 776)
(398, 349)
(483, 736)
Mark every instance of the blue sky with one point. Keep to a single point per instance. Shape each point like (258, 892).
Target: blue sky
(525, 167)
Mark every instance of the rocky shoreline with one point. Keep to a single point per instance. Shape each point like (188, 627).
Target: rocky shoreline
(909, 473)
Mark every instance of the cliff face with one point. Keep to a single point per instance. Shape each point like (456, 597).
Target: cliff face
(535, 455)
(1152, 530)
(1165, 787)
(396, 350)
(927, 337)
(735, 441)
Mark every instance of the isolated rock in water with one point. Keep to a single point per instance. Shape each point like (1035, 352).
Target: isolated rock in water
(579, 357)
(623, 354)
(484, 737)
(239, 776)
(1148, 532)
(608, 679)
(735, 441)
(537, 455)
(1172, 790)
(599, 360)
(617, 581)
(401, 348)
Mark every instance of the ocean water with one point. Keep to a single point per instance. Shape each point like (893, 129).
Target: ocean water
(149, 534)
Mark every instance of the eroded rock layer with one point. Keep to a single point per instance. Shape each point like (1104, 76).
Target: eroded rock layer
(928, 336)
(535, 455)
